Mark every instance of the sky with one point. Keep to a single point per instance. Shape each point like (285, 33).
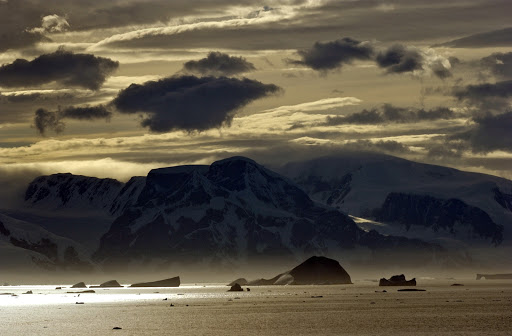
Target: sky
(116, 88)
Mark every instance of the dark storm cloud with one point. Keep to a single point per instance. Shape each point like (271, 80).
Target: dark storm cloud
(498, 64)
(391, 114)
(402, 59)
(190, 103)
(219, 64)
(45, 120)
(495, 38)
(488, 96)
(398, 59)
(333, 55)
(65, 68)
(490, 133)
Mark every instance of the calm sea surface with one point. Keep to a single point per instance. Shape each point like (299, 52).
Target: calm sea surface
(477, 308)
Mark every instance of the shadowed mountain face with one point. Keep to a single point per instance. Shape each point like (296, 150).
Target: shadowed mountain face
(450, 215)
(233, 210)
(230, 212)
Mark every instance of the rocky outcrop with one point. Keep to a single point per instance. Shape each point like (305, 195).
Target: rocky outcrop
(171, 282)
(319, 271)
(313, 271)
(494, 276)
(236, 288)
(397, 280)
(79, 285)
(108, 284)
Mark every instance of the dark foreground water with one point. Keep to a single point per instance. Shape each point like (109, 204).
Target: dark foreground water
(477, 308)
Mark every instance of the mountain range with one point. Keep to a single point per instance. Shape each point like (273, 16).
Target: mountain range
(364, 208)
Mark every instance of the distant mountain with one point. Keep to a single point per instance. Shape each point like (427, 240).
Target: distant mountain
(67, 191)
(25, 246)
(495, 38)
(236, 211)
(230, 212)
(409, 195)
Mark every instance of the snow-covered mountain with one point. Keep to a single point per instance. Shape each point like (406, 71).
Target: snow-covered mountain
(25, 247)
(68, 191)
(232, 212)
(236, 211)
(410, 195)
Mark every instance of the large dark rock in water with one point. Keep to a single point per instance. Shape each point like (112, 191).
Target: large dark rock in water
(171, 282)
(108, 284)
(397, 280)
(319, 271)
(236, 288)
(79, 285)
(314, 271)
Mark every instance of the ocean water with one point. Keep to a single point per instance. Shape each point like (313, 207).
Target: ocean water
(477, 308)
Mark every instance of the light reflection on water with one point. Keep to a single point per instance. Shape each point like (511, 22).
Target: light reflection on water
(47, 295)
(193, 293)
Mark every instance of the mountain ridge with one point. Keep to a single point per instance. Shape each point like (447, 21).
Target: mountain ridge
(236, 210)
(360, 184)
